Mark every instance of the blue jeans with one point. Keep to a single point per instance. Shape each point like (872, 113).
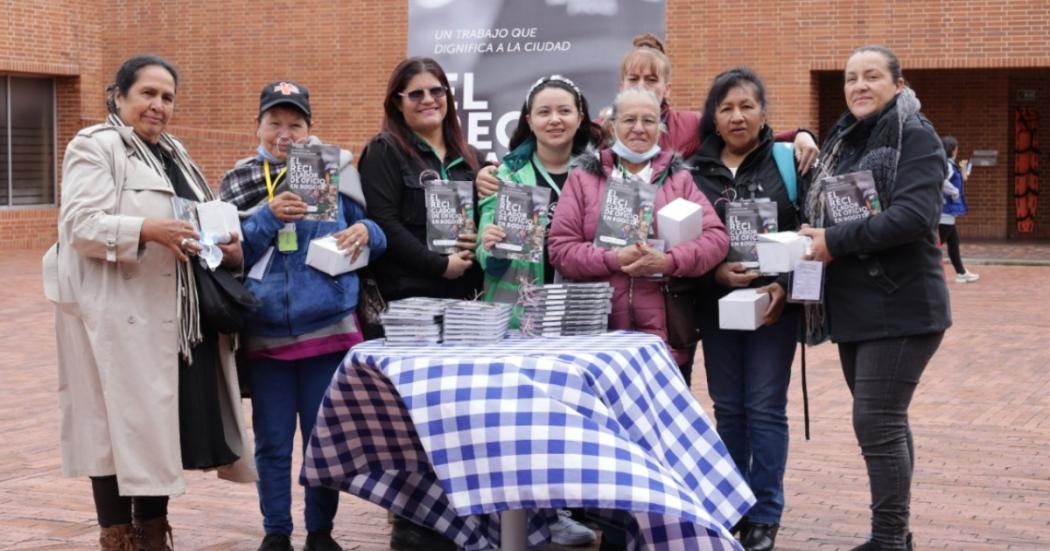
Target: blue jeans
(882, 376)
(747, 378)
(280, 391)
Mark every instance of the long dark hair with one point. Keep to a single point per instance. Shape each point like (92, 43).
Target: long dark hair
(128, 74)
(720, 88)
(588, 133)
(394, 121)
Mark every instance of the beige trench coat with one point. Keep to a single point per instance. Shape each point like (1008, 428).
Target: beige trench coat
(117, 329)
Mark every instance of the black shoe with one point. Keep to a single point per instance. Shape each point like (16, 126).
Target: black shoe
(321, 541)
(741, 528)
(409, 536)
(872, 546)
(276, 542)
(761, 537)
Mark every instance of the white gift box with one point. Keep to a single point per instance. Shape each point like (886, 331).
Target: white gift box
(742, 309)
(779, 252)
(679, 221)
(218, 219)
(326, 256)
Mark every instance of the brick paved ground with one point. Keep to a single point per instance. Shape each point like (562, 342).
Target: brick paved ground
(979, 417)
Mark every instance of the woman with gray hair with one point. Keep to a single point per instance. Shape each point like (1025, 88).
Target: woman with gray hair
(638, 301)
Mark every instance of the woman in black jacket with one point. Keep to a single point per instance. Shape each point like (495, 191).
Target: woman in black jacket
(421, 140)
(747, 371)
(886, 301)
(421, 137)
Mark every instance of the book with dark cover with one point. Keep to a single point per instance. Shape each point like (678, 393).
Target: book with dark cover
(522, 213)
(313, 175)
(626, 214)
(745, 220)
(850, 197)
(450, 213)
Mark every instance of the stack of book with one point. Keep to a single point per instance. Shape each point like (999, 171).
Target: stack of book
(470, 322)
(566, 309)
(414, 320)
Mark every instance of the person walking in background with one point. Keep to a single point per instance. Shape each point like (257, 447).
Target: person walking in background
(954, 206)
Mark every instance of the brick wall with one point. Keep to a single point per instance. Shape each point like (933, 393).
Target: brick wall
(344, 51)
(62, 39)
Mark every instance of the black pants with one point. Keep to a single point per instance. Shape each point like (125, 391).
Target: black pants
(950, 236)
(114, 509)
(882, 376)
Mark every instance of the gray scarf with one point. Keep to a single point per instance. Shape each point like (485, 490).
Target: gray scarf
(188, 312)
(882, 153)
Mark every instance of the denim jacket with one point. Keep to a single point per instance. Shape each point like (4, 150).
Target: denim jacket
(296, 298)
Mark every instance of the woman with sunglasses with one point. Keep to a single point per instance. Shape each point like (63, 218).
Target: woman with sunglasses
(420, 137)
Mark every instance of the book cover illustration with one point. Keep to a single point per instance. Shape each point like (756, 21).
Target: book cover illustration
(450, 213)
(313, 175)
(522, 213)
(745, 220)
(850, 197)
(186, 210)
(626, 215)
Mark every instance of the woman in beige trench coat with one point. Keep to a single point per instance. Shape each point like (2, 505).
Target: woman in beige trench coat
(126, 320)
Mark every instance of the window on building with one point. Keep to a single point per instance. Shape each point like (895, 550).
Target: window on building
(27, 141)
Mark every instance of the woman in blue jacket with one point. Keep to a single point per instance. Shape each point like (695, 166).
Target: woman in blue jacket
(295, 341)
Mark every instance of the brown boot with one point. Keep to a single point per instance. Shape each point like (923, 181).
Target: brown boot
(117, 538)
(154, 535)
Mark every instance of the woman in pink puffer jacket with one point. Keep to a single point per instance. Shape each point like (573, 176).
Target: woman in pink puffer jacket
(638, 301)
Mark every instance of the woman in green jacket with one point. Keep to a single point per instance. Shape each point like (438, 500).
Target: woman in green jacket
(554, 125)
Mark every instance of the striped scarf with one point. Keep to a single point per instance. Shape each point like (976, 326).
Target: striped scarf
(188, 311)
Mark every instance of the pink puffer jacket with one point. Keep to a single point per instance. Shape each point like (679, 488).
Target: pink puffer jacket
(574, 255)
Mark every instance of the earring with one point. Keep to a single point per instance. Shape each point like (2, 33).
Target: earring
(717, 133)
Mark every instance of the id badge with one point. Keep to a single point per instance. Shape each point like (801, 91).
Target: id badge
(287, 240)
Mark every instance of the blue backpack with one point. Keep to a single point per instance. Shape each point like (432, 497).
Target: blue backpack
(784, 155)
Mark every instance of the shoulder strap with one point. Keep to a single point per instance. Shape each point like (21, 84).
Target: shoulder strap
(784, 155)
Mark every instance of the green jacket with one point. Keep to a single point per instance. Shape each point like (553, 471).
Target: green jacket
(503, 277)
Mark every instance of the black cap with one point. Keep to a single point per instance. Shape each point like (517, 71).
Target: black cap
(285, 92)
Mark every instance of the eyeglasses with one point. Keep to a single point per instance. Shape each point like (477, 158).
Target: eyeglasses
(416, 96)
(630, 122)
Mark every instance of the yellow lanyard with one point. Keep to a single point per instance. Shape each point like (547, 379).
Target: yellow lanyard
(271, 186)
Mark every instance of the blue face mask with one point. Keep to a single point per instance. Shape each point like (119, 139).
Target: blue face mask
(264, 154)
(622, 151)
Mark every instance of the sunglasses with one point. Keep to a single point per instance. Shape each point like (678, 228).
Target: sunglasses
(416, 96)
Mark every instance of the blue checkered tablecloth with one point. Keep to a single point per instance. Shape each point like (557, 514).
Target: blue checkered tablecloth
(448, 436)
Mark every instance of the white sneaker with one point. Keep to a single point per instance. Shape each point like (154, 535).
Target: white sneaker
(967, 277)
(569, 532)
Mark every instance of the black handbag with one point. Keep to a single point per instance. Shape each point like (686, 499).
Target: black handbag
(681, 297)
(370, 306)
(224, 303)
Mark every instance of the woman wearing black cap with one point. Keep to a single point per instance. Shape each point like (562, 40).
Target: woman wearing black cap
(295, 341)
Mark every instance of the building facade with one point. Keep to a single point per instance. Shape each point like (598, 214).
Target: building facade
(981, 70)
